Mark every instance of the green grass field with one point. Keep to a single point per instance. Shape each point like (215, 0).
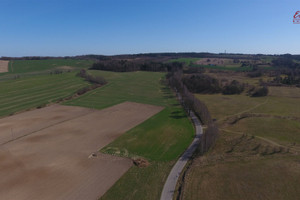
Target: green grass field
(25, 93)
(165, 135)
(141, 87)
(141, 183)
(160, 140)
(24, 66)
(187, 61)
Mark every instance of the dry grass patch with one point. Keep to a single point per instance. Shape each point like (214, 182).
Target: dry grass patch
(282, 131)
(243, 167)
(291, 92)
(3, 66)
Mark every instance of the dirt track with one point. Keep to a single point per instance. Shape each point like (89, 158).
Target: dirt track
(50, 158)
(3, 66)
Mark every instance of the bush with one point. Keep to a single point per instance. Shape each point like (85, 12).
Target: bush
(233, 88)
(260, 92)
(90, 78)
(202, 83)
(255, 74)
(82, 73)
(81, 91)
(96, 79)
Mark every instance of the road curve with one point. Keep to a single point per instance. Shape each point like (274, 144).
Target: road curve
(169, 187)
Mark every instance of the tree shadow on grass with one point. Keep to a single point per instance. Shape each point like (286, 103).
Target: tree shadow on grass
(177, 115)
(168, 96)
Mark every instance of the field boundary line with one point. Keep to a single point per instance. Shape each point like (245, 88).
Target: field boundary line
(256, 106)
(91, 111)
(264, 139)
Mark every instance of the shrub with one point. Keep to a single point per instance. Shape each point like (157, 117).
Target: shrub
(255, 74)
(82, 73)
(260, 92)
(202, 83)
(233, 88)
(96, 79)
(90, 78)
(83, 90)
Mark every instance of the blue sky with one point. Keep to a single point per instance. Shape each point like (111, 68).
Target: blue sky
(66, 28)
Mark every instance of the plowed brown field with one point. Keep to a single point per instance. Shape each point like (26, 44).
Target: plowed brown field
(3, 66)
(46, 153)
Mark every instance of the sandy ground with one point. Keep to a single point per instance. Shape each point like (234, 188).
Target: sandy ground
(3, 66)
(50, 159)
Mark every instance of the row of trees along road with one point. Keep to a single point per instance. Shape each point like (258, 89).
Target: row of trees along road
(191, 103)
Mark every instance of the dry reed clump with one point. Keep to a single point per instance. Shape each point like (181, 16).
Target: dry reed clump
(140, 162)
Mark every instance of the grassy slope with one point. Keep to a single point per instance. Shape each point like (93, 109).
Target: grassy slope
(161, 139)
(280, 130)
(23, 66)
(241, 167)
(221, 106)
(250, 168)
(25, 93)
(286, 92)
(143, 87)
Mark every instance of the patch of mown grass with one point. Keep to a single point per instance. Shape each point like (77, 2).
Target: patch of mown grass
(24, 66)
(25, 93)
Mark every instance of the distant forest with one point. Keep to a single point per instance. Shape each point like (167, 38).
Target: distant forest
(160, 56)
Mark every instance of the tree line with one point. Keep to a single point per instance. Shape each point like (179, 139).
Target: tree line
(96, 81)
(135, 65)
(191, 103)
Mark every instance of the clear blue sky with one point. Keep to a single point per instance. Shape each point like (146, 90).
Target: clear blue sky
(76, 27)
